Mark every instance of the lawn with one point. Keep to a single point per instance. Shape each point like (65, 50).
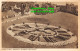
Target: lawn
(65, 20)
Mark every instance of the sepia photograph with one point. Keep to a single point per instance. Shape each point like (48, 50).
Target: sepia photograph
(39, 24)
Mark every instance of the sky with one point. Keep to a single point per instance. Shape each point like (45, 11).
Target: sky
(64, 3)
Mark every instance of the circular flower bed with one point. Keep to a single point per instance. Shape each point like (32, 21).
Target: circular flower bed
(41, 34)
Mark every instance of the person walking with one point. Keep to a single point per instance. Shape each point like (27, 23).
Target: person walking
(22, 8)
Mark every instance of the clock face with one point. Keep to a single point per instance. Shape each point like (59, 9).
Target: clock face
(43, 34)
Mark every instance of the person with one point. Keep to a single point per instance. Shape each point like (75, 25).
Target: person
(36, 24)
(22, 8)
(23, 22)
(59, 27)
(13, 24)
